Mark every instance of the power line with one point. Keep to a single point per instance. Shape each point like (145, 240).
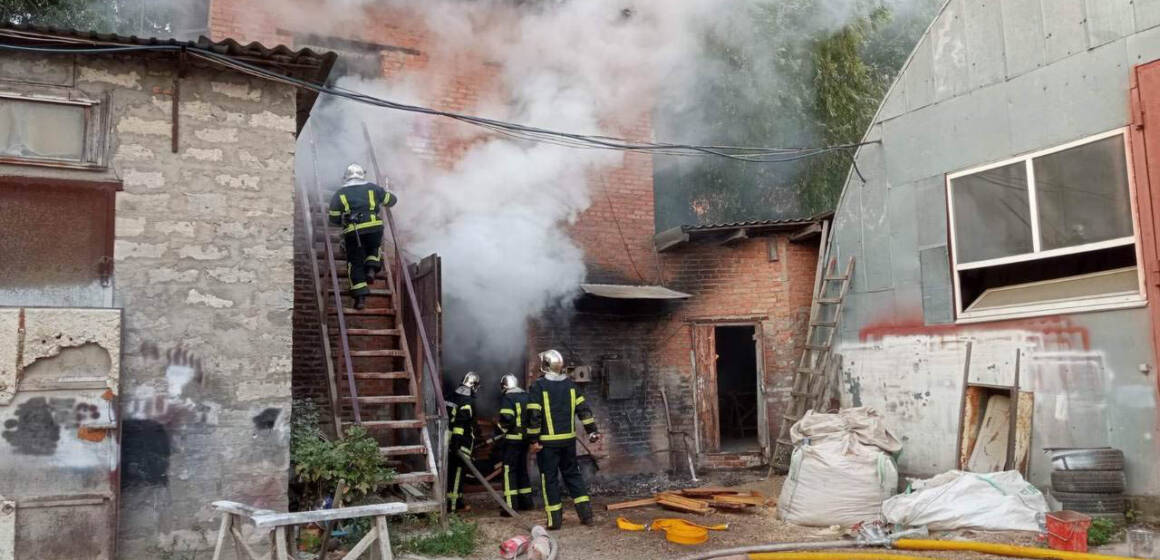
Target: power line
(519, 131)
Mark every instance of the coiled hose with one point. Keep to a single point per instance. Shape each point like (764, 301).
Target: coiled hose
(554, 548)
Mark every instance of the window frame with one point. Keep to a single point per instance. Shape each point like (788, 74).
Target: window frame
(1096, 303)
(93, 152)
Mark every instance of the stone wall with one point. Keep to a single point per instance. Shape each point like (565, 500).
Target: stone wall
(203, 271)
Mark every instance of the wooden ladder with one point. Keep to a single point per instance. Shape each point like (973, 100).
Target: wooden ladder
(810, 379)
(372, 381)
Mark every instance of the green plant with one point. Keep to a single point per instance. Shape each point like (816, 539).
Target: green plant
(1101, 532)
(353, 461)
(458, 540)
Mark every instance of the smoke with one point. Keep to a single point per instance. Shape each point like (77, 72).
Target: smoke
(497, 210)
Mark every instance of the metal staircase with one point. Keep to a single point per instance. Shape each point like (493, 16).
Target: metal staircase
(373, 380)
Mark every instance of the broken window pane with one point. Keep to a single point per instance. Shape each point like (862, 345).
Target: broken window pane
(1083, 194)
(43, 130)
(992, 216)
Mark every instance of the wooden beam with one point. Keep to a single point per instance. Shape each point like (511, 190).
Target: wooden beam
(631, 504)
(806, 233)
(735, 237)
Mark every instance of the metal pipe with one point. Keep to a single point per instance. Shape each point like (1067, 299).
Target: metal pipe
(783, 547)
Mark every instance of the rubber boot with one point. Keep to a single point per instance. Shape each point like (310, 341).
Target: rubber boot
(555, 520)
(360, 302)
(584, 509)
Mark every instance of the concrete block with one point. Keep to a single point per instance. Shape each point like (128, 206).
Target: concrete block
(129, 227)
(232, 275)
(1025, 46)
(242, 182)
(234, 90)
(949, 53)
(217, 135)
(919, 77)
(184, 229)
(937, 291)
(983, 26)
(202, 154)
(1063, 25)
(128, 80)
(151, 127)
(27, 67)
(930, 211)
(1147, 14)
(132, 250)
(903, 234)
(137, 179)
(1075, 97)
(163, 275)
(1108, 20)
(266, 119)
(202, 252)
(133, 152)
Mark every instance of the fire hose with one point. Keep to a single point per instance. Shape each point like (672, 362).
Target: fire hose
(554, 546)
(792, 551)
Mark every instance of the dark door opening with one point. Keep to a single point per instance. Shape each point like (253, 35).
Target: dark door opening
(737, 388)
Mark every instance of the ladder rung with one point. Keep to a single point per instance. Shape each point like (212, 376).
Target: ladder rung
(835, 278)
(381, 375)
(391, 424)
(413, 478)
(403, 450)
(828, 301)
(374, 292)
(387, 399)
(372, 332)
(377, 353)
(811, 371)
(366, 311)
(824, 324)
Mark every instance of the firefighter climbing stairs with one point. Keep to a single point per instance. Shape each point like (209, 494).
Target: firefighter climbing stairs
(372, 380)
(818, 364)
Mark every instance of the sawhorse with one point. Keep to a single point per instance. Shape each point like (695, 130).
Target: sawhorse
(234, 514)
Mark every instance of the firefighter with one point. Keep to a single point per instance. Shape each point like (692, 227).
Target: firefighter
(517, 488)
(461, 416)
(553, 406)
(355, 207)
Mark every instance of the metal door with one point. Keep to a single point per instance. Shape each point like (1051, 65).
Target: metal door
(59, 433)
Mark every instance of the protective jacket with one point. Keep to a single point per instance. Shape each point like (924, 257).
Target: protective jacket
(355, 207)
(513, 410)
(553, 406)
(461, 420)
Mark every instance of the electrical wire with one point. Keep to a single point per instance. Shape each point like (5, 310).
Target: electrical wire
(518, 131)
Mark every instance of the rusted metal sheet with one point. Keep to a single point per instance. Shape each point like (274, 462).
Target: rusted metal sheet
(705, 360)
(972, 410)
(1145, 148)
(60, 445)
(1025, 411)
(55, 242)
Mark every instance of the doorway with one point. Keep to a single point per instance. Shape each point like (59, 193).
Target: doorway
(737, 394)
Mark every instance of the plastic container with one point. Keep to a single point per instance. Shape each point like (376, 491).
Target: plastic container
(1068, 530)
(1141, 543)
(514, 547)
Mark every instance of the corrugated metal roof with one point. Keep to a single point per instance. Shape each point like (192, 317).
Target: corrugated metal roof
(257, 52)
(758, 223)
(626, 291)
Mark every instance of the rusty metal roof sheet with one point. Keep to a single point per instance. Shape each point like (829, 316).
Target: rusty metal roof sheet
(758, 223)
(626, 291)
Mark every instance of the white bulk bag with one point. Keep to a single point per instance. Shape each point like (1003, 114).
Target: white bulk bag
(1000, 501)
(841, 469)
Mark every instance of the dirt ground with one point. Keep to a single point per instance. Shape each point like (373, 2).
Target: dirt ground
(603, 541)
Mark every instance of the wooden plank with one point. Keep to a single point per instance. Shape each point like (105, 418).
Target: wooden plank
(708, 491)
(742, 500)
(223, 535)
(272, 519)
(280, 544)
(239, 509)
(990, 453)
(632, 504)
(705, 357)
(240, 541)
(384, 538)
(669, 501)
(362, 545)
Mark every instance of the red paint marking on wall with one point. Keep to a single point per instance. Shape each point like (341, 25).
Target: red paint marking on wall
(92, 434)
(1058, 331)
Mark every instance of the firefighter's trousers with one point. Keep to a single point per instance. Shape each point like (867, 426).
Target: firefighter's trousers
(556, 462)
(362, 257)
(517, 486)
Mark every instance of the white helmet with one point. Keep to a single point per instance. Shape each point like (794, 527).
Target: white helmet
(354, 174)
(508, 382)
(551, 361)
(471, 381)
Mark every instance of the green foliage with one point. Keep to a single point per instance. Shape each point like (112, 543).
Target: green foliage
(354, 461)
(1101, 532)
(458, 540)
(149, 18)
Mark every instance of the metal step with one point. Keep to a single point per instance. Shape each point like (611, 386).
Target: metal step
(377, 353)
(386, 399)
(381, 375)
(403, 450)
(392, 424)
(373, 332)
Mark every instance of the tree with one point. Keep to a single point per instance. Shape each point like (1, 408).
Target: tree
(144, 18)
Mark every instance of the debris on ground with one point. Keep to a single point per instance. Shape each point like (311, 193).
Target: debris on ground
(1001, 501)
(701, 501)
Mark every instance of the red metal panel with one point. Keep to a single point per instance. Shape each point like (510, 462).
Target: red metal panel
(1145, 146)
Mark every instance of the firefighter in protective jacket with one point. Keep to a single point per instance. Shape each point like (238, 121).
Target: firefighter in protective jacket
(513, 409)
(554, 404)
(461, 416)
(355, 207)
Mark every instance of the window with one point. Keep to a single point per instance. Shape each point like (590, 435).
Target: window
(1047, 232)
(48, 131)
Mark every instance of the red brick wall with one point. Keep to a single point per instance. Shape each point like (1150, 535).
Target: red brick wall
(728, 284)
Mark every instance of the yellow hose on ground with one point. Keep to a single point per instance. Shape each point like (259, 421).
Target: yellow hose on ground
(1001, 550)
(834, 556)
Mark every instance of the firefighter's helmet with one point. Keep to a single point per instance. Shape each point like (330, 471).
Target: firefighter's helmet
(551, 362)
(354, 174)
(471, 381)
(508, 382)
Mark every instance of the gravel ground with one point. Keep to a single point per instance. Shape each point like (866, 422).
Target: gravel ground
(603, 541)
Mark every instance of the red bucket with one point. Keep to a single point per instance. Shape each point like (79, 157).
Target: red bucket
(1067, 530)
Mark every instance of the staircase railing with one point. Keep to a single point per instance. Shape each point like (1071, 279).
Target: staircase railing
(340, 315)
(431, 379)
